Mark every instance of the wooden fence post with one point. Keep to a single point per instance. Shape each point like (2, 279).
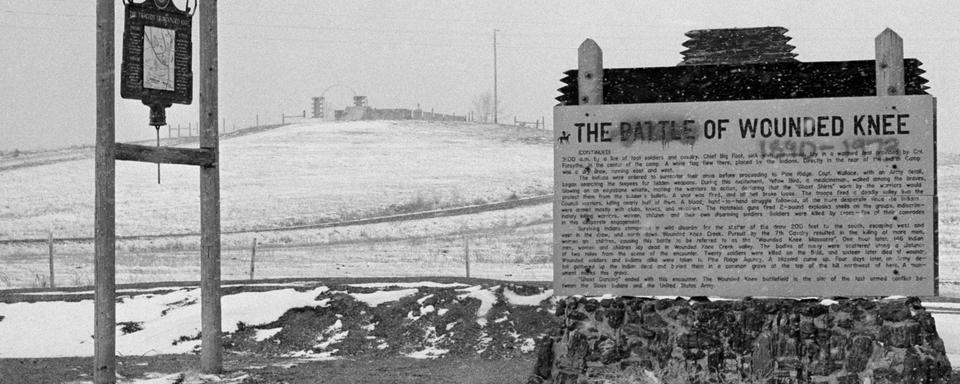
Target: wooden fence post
(211, 359)
(466, 253)
(50, 249)
(889, 63)
(590, 73)
(253, 256)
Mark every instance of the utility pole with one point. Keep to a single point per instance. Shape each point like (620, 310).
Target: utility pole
(495, 75)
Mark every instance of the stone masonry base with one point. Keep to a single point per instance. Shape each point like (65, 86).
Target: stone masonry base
(770, 341)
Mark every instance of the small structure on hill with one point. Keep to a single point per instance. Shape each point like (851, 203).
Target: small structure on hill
(360, 110)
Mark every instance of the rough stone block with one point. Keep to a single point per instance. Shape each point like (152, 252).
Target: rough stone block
(653, 320)
(544, 357)
(858, 353)
(901, 335)
(561, 308)
(567, 378)
(887, 376)
(577, 316)
(812, 309)
(894, 311)
(615, 317)
(851, 378)
(590, 305)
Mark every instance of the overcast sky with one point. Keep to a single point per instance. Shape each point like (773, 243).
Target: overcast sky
(275, 56)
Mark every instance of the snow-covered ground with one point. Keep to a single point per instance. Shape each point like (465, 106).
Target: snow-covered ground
(168, 323)
(60, 329)
(291, 175)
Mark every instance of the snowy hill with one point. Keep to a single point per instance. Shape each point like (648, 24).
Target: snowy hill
(296, 174)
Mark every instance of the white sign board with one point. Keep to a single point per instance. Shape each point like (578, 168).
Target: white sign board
(800, 197)
(158, 58)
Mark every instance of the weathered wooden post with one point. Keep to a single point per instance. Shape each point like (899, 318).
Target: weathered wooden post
(104, 305)
(590, 73)
(466, 253)
(156, 93)
(889, 63)
(253, 256)
(50, 251)
(210, 354)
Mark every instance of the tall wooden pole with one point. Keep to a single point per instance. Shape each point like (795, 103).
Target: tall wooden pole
(210, 355)
(104, 305)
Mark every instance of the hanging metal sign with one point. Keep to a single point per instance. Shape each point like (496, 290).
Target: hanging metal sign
(157, 54)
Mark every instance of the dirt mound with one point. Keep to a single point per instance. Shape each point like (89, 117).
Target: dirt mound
(425, 321)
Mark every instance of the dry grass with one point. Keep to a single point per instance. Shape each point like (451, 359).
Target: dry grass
(514, 244)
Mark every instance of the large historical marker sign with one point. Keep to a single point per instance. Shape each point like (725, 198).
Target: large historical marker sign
(157, 54)
(795, 197)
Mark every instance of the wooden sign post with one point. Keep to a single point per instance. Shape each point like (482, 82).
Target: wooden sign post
(206, 157)
(210, 354)
(105, 294)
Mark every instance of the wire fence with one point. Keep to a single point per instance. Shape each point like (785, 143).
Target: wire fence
(522, 253)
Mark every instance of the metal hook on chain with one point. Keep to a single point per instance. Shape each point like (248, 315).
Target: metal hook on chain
(158, 117)
(158, 145)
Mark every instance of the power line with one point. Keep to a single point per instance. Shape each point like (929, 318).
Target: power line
(452, 20)
(44, 28)
(304, 27)
(7, 11)
(357, 42)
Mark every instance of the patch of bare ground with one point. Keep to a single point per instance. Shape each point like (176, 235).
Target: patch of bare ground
(242, 369)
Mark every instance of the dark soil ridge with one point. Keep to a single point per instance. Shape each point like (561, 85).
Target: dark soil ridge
(431, 319)
(73, 294)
